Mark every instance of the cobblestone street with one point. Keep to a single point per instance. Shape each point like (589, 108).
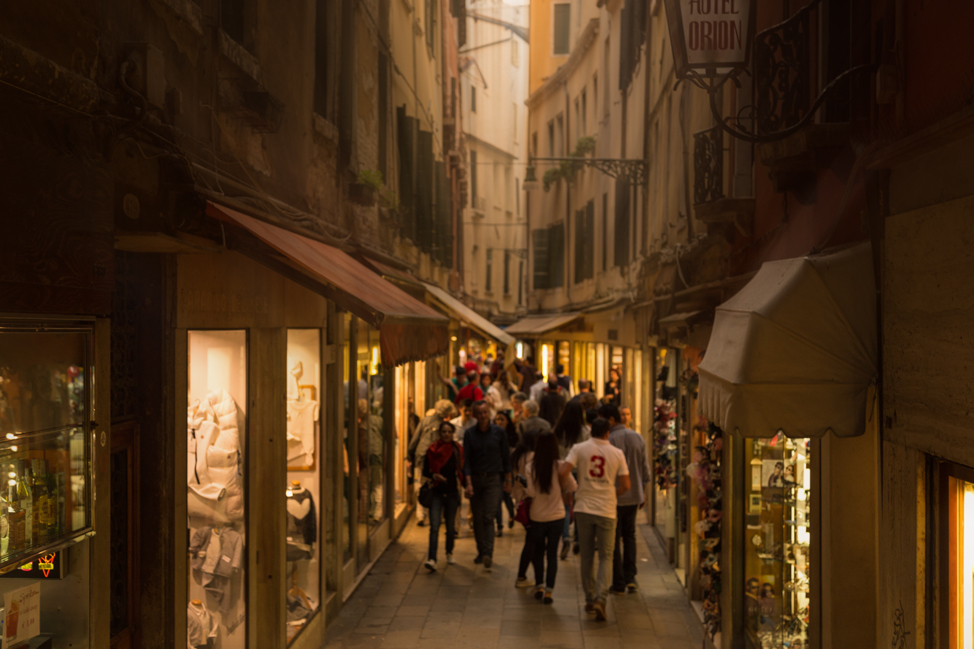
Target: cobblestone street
(401, 605)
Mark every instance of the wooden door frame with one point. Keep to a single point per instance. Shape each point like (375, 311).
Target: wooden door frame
(125, 438)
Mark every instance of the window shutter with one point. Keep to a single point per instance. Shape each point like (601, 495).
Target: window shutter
(556, 255)
(424, 191)
(581, 244)
(562, 29)
(540, 240)
(590, 240)
(443, 233)
(407, 168)
(622, 223)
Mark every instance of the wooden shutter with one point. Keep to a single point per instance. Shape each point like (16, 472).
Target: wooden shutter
(406, 127)
(556, 255)
(540, 240)
(581, 243)
(622, 223)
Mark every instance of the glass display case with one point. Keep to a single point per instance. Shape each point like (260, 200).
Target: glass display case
(303, 489)
(777, 542)
(216, 489)
(665, 448)
(45, 441)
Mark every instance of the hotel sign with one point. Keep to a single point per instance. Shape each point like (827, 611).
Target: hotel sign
(710, 38)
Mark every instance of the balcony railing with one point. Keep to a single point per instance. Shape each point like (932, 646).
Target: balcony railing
(782, 72)
(708, 166)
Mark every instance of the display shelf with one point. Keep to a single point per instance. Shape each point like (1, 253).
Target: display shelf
(45, 501)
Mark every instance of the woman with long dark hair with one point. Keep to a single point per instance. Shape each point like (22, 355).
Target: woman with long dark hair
(569, 430)
(549, 493)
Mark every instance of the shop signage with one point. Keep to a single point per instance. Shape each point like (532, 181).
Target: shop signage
(50, 566)
(709, 37)
(21, 615)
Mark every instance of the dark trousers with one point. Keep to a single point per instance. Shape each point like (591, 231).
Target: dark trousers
(505, 500)
(527, 553)
(486, 498)
(624, 557)
(545, 538)
(443, 508)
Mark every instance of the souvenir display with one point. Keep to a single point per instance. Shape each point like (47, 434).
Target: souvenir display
(777, 542)
(706, 472)
(216, 498)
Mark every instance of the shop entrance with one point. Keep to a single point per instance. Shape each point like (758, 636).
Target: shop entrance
(126, 543)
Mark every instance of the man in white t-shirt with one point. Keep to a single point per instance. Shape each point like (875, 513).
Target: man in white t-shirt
(603, 476)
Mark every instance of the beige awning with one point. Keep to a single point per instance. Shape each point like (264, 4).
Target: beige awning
(468, 316)
(795, 351)
(538, 325)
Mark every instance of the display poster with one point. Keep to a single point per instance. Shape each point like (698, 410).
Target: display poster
(21, 615)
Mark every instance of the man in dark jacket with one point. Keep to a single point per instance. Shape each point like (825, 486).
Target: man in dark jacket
(552, 402)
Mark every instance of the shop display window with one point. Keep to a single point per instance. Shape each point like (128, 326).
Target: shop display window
(957, 511)
(706, 473)
(302, 492)
(665, 445)
(348, 369)
(565, 356)
(777, 542)
(45, 392)
(410, 407)
(370, 426)
(216, 491)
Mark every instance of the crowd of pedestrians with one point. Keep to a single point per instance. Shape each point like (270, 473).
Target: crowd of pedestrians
(565, 465)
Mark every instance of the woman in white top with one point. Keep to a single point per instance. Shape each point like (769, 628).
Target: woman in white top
(549, 493)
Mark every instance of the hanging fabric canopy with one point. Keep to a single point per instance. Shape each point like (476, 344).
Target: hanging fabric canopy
(796, 349)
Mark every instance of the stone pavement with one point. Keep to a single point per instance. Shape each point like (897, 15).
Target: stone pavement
(400, 605)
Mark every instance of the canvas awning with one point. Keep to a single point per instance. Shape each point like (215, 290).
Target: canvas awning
(468, 316)
(796, 349)
(408, 328)
(538, 325)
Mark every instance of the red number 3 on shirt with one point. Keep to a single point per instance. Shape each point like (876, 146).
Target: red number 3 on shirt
(597, 469)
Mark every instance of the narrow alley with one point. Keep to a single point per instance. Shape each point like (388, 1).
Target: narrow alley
(400, 605)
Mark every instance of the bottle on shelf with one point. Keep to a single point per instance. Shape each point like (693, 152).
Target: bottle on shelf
(39, 495)
(26, 501)
(15, 520)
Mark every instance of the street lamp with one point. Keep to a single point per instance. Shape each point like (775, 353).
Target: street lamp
(712, 42)
(711, 39)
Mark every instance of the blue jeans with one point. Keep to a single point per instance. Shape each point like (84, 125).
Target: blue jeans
(487, 491)
(596, 535)
(443, 507)
(545, 540)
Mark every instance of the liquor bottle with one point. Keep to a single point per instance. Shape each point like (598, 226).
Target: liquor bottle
(52, 498)
(15, 520)
(26, 502)
(39, 495)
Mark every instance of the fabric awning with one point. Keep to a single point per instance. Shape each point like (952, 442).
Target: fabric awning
(408, 328)
(538, 325)
(796, 350)
(467, 315)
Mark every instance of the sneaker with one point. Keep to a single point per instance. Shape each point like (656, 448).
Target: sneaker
(499, 533)
(539, 593)
(522, 582)
(431, 565)
(510, 523)
(479, 559)
(421, 523)
(599, 608)
(589, 607)
(548, 599)
(576, 549)
(488, 562)
(450, 560)
(618, 589)
(632, 587)
(565, 547)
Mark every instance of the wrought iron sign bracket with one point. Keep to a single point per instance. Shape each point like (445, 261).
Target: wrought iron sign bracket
(634, 170)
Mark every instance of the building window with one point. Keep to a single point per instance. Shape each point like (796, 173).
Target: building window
(322, 97)
(514, 108)
(584, 112)
(507, 272)
(489, 277)
(539, 239)
(605, 231)
(520, 282)
(622, 224)
(560, 135)
(534, 144)
(578, 118)
(473, 179)
(473, 99)
(551, 139)
(595, 95)
(584, 250)
(549, 257)
(561, 25)
(431, 7)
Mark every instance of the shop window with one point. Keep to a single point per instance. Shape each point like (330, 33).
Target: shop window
(705, 471)
(348, 452)
(216, 492)
(303, 489)
(777, 540)
(665, 448)
(370, 428)
(410, 405)
(958, 560)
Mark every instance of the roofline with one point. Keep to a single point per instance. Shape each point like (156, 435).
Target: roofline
(582, 46)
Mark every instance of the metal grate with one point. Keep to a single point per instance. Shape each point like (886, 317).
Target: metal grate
(708, 166)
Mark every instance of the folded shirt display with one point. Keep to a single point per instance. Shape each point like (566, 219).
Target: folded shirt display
(215, 554)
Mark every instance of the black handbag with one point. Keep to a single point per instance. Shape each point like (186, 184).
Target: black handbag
(426, 495)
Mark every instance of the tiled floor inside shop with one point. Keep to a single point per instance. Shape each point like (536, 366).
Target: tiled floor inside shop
(400, 605)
